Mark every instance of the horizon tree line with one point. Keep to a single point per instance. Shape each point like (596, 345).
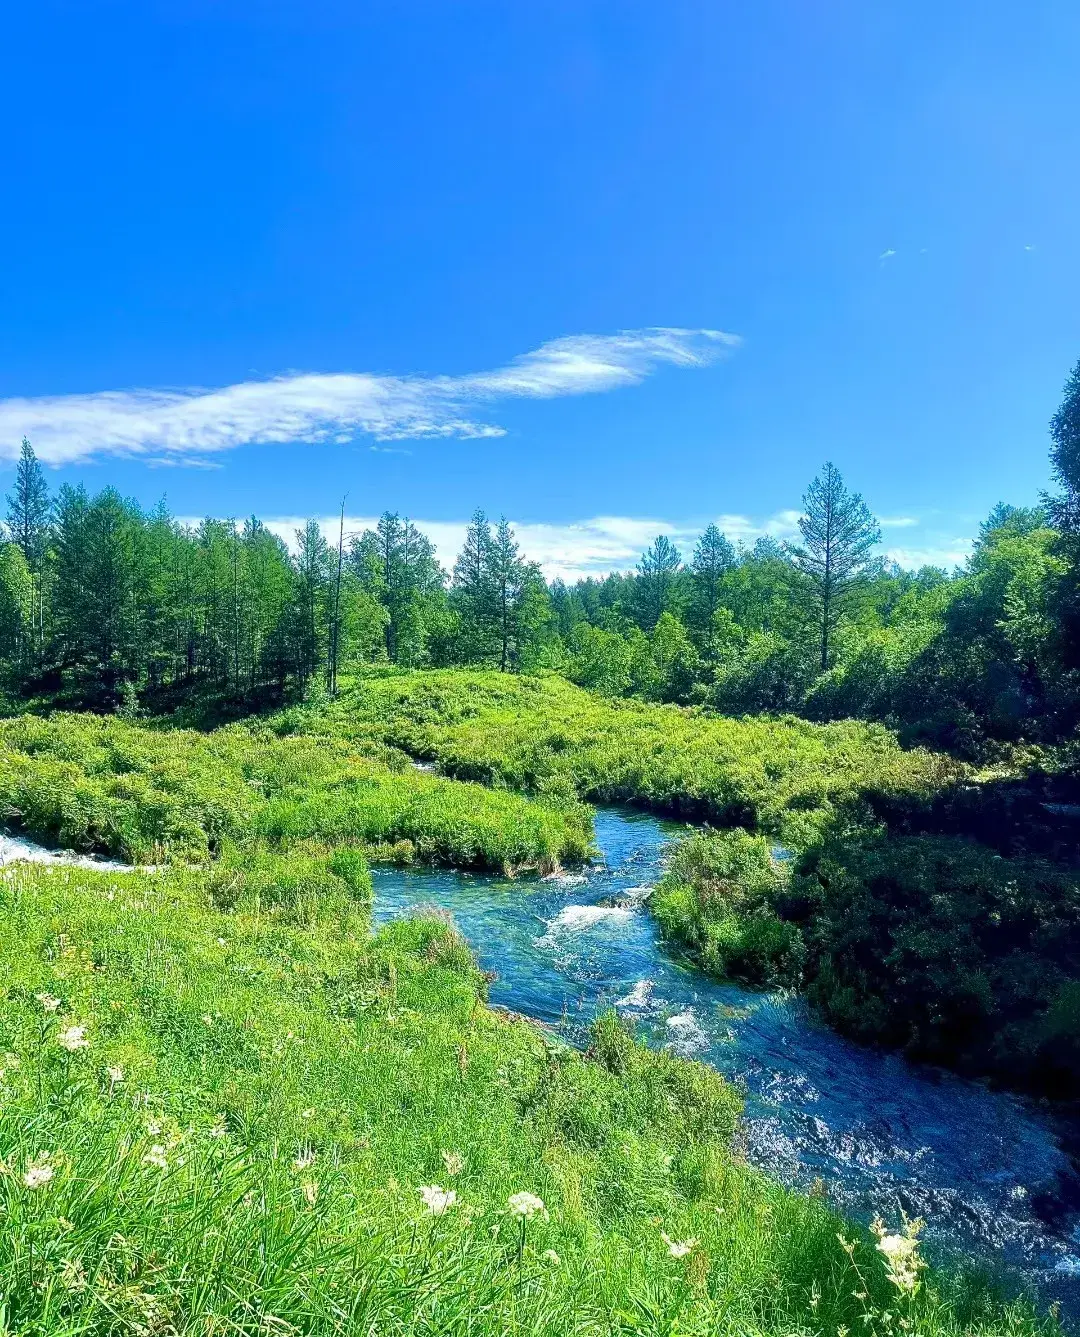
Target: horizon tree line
(102, 601)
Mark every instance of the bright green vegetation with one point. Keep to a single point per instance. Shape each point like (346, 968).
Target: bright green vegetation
(719, 897)
(102, 783)
(546, 736)
(240, 1121)
(103, 603)
(932, 944)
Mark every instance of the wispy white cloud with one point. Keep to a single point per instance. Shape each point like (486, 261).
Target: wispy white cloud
(898, 521)
(181, 424)
(887, 255)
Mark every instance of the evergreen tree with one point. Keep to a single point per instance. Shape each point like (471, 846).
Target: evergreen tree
(839, 536)
(29, 508)
(475, 593)
(714, 557)
(312, 566)
(1065, 457)
(507, 578)
(657, 571)
(28, 517)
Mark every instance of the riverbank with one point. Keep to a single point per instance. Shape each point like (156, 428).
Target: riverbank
(264, 1119)
(934, 945)
(874, 1133)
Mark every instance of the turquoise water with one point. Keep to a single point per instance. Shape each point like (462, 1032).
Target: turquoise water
(987, 1170)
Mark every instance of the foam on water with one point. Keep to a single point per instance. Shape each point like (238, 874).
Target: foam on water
(987, 1170)
(17, 849)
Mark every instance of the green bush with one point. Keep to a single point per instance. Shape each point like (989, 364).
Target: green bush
(941, 947)
(718, 898)
(781, 775)
(151, 794)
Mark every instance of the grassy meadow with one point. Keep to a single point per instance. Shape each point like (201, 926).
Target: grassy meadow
(226, 1107)
(263, 1120)
(545, 736)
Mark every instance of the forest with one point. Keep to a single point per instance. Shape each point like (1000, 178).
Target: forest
(105, 604)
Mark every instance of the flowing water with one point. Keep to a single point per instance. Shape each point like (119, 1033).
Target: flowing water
(988, 1171)
(17, 849)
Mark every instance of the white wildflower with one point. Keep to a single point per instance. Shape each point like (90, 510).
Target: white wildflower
(115, 1074)
(73, 1038)
(679, 1248)
(156, 1157)
(305, 1160)
(550, 1256)
(526, 1205)
(903, 1262)
(308, 1113)
(437, 1200)
(48, 1002)
(38, 1174)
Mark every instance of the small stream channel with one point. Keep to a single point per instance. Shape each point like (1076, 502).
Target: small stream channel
(988, 1171)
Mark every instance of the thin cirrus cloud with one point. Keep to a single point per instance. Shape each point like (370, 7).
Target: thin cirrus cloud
(183, 426)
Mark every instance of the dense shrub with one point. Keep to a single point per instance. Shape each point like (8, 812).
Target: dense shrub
(782, 775)
(718, 897)
(944, 948)
(150, 794)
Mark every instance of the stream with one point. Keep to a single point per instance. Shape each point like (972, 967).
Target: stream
(988, 1171)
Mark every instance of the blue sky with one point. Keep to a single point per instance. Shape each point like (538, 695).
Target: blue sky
(439, 255)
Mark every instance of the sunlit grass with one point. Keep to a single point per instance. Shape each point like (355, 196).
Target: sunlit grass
(101, 783)
(543, 735)
(262, 1120)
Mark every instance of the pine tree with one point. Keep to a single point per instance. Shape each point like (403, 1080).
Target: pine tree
(28, 518)
(29, 508)
(657, 571)
(714, 557)
(1065, 457)
(475, 593)
(313, 581)
(507, 570)
(839, 536)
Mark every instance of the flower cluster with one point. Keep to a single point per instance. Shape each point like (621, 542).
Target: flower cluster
(903, 1262)
(679, 1248)
(437, 1200)
(526, 1205)
(73, 1038)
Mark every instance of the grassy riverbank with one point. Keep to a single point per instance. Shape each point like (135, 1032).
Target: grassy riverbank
(239, 1121)
(149, 794)
(931, 944)
(544, 735)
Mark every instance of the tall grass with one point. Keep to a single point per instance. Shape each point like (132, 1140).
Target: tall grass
(544, 735)
(234, 1122)
(148, 795)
